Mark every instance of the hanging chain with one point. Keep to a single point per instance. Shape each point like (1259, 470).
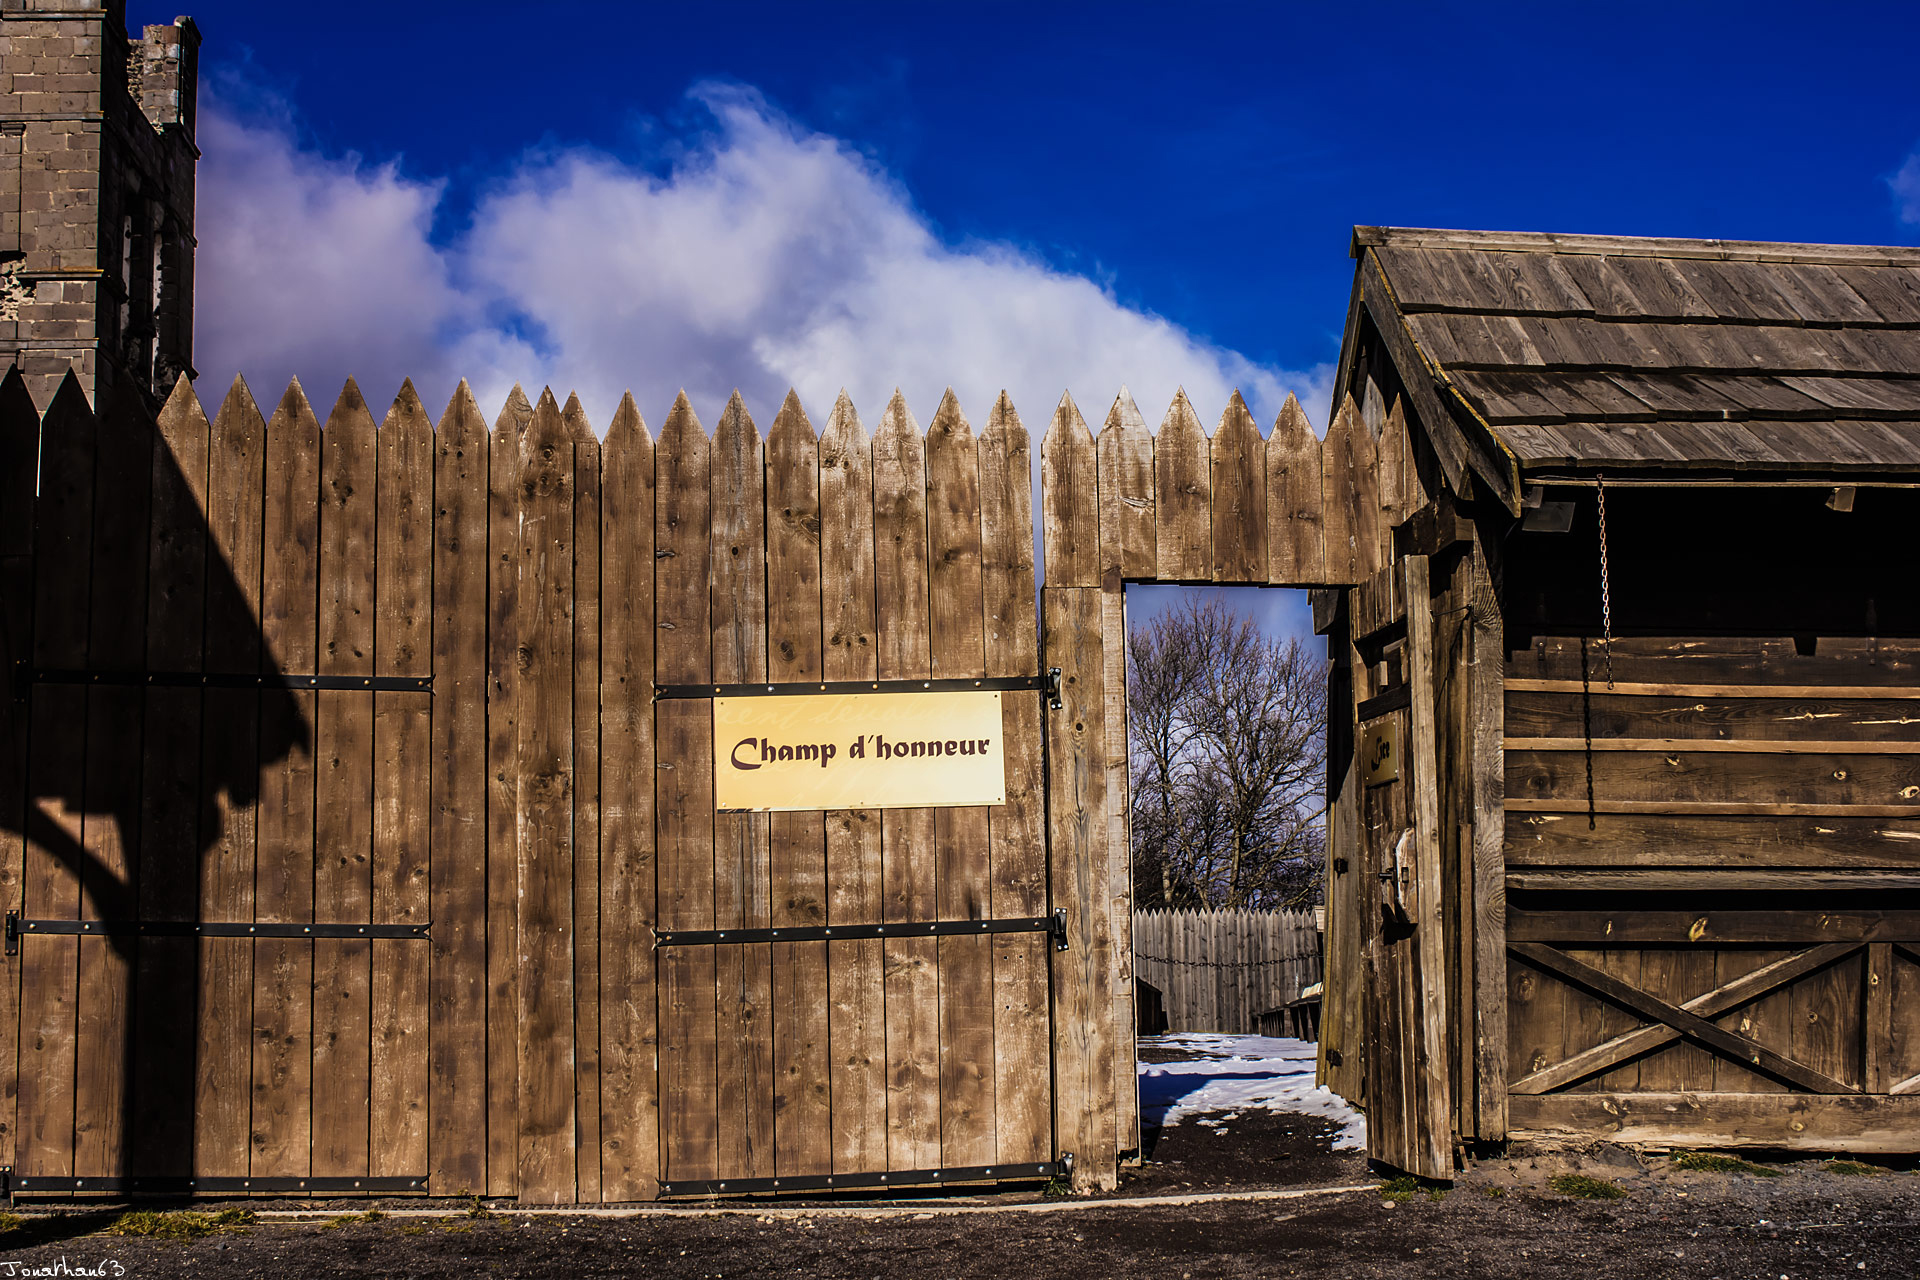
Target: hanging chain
(1606, 585)
(1586, 728)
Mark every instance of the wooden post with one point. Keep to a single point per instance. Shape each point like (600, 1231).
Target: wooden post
(506, 449)
(630, 1122)
(803, 1098)
(903, 638)
(457, 986)
(343, 818)
(587, 907)
(683, 730)
(402, 790)
(1016, 829)
(1076, 782)
(282, 1111)
(857, 1028)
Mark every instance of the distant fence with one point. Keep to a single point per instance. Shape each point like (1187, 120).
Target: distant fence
(1219, 970)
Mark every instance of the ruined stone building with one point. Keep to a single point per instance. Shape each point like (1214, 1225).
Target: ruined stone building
(96, 197)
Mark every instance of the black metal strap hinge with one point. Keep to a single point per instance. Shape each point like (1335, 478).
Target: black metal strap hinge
(1061, 1168)
(1048, 684)
(18, 928)
(1055, 926)
(25, 676)
(61, 1184)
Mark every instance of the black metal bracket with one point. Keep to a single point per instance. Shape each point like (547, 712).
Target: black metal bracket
(1061, 1168)
(1054, 927)
(1048, 684)
(25, 676)
(18, 928)
(35, 1184)
(1058, 930)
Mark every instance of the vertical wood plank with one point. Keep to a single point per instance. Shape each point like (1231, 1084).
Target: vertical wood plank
(1023, 1107)
(1183, 497)
(857, 1030)
(963, 870)
(803, 1102)
(120, 581)
(1296, 554)
(229, 569)
(587, 906)
(544, 725)
(403, 784)
(908, 859)
(742, 879)
(1239, 498)
(1338, 489)
(343, 813)
(1125, 455)
(1433, 1128)
(1878, 1069)
(289, 623)
(505, 449)
(457, 978)
(50, 969)
(1127, 516)
(1076, 782)
(1390, 461)
(19, 458)
(1486, 732)
(683, 654)
(1363, 499)
(629, 1074)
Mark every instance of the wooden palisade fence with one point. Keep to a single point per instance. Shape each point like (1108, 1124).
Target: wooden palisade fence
(1220, 970)
(338, 811)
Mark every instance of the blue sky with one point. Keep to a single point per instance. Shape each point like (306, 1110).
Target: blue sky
(1031, 195)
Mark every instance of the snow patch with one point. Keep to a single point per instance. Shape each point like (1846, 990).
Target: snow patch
(1241, 1073)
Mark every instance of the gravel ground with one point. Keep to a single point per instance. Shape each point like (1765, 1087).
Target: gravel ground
(1507, 1217)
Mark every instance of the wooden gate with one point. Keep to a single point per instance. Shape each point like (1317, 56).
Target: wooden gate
(221, 746)
(1395, 767)
(869, 988)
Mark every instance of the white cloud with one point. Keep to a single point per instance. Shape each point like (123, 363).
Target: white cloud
(1906, 189)
(767, 256)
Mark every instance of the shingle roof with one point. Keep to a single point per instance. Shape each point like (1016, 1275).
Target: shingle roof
(1611, 351)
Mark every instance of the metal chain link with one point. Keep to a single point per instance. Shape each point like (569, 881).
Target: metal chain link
(1606, 585)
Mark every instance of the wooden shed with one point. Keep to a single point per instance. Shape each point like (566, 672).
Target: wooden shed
(1626, 824)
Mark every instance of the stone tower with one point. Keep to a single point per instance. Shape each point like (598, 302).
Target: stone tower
(96, 197)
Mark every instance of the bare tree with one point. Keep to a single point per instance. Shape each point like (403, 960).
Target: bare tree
(1227, 732)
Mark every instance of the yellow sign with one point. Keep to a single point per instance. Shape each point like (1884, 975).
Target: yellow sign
(858, 751)
(1380, 751)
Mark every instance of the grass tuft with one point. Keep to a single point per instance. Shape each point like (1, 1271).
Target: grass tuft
(1709, 1162)
(1581, 1187)
(1851, 1169)
(10, 1222)
(1057, 1189)
(1494, 1193)
(1400, 1189)
(183, 1225)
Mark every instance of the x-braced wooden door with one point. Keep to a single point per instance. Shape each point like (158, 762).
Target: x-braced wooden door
(1403, 991)
(855, 998)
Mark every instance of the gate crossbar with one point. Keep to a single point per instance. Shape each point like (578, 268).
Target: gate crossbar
(18, 928)
(1055, 925)
(1048, 684)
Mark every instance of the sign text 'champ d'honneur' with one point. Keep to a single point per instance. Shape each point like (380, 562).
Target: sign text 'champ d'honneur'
(858, 751)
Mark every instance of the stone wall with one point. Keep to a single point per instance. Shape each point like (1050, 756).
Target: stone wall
(96, 197)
